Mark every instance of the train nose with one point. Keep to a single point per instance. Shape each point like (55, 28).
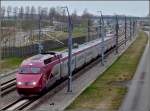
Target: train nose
(34, 83)
(28, 84)
(25, 81)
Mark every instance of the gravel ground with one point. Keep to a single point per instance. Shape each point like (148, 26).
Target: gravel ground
(9, 98)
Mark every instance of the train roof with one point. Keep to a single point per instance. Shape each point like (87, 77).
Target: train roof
(38, 60)
(86, 45)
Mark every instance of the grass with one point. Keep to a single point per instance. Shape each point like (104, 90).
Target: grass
(59, 49)
(10, 63)
(60, 35)
(103, 94)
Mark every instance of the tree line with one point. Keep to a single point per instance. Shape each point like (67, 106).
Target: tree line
(44, 13)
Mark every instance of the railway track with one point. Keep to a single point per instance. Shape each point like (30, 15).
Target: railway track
(18, 104)
(8, 86)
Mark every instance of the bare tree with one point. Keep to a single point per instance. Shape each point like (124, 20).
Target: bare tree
(27, 10)
(3, 12)
(44, 12)
(52, 13)
(63, 16)
(33, 12)
(21, 12)
(75, 17)
(58, 13)
(2, 21)
(86, 16)
(9, 9)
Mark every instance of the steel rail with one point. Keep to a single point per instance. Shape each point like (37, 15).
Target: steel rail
(8, 86)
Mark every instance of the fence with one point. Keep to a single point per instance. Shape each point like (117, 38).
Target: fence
(33, 48)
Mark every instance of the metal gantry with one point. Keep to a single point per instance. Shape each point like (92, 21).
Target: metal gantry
(70, 29)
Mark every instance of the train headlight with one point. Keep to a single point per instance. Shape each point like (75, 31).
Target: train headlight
(34, 83)
(19, 83)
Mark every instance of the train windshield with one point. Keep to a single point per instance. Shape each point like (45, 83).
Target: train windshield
(35, 70)
(29, 70)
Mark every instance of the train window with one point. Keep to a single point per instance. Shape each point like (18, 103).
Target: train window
(24, 70)
(47, 61)
(35, 70)
(27, 70)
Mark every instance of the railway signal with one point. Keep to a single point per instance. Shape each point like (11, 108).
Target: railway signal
(70, 29)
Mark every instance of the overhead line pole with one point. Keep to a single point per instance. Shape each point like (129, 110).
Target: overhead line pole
(0, 44)
(70, 29)
(39, 44)
(102, 31)
(0, 32)
(117, 28)
(125, 30)
(133, 27)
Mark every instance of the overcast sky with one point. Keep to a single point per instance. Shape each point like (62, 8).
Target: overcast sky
(134, 8)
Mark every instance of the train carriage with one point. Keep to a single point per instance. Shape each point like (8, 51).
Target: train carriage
(43, 70)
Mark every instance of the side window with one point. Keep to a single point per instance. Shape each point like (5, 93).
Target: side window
(52, 59)
(73, 61)
(47, 61)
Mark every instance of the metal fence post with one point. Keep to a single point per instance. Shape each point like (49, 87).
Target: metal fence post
(133, 28)
(130, 29)
(88, 36)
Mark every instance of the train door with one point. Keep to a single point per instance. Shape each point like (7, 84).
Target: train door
(80, 60)
(64, 67)
(56, 67)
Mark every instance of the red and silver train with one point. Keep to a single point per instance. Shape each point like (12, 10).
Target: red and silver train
(43, 70)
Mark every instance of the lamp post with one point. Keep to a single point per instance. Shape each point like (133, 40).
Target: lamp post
(101, 34)
(70, 29)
